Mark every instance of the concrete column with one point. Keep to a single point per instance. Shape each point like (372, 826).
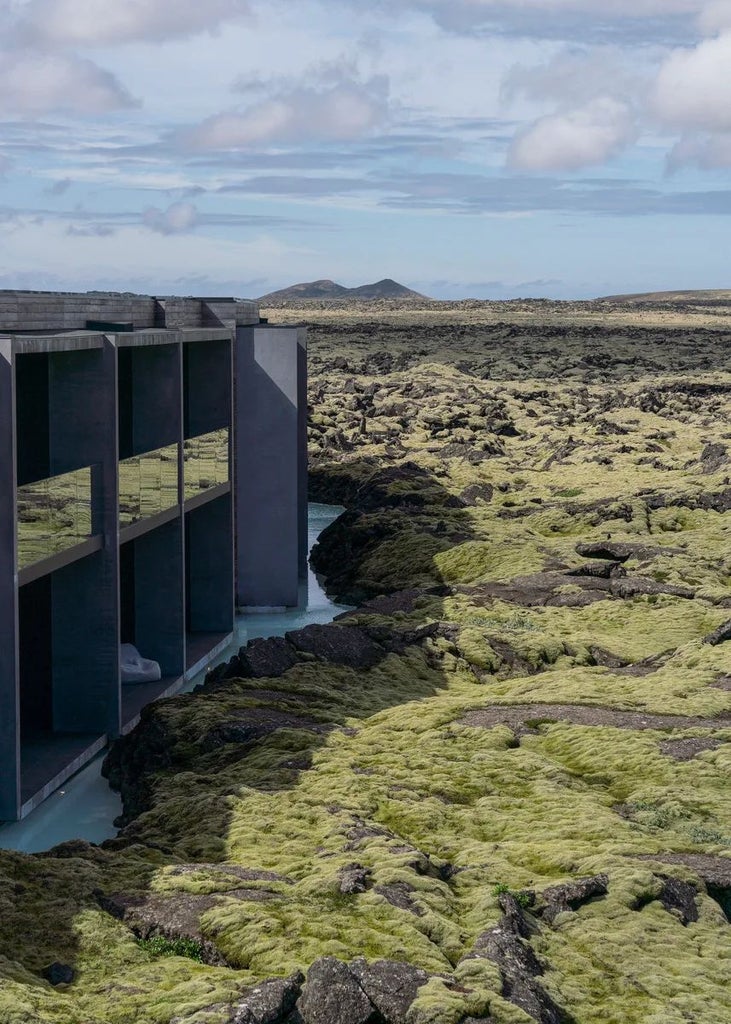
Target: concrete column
(302, 450)
(9, 695)
(83, 432)
(270, 413)
(210, 570)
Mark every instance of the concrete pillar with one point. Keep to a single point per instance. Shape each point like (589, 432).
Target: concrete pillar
(302, 451)
(83, 432)
(270, 412)
(9, 695)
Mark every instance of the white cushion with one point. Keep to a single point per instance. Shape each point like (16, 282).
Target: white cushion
(135, 668)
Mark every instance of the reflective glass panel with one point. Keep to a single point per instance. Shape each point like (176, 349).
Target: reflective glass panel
(53, 515)
(148, 484)
(206, 462)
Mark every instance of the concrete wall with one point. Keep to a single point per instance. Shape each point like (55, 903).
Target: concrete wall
(9, 703)
(69, 311)
(270, 467)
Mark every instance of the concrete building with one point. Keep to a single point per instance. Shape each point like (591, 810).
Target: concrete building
(152, 478)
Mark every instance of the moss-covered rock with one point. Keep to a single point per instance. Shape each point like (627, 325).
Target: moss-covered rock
(505, 772)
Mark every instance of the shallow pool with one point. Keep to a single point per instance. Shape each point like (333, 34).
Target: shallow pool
(85, 806)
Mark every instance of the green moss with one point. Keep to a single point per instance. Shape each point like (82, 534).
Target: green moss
(445, 816)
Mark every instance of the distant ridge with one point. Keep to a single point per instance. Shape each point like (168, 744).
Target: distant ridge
(326, 289)
(700, 295)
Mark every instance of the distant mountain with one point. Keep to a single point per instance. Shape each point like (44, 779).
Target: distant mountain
(711, 295)
(325, 289)
(385, 289)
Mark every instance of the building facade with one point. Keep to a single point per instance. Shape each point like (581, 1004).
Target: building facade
(152, 478)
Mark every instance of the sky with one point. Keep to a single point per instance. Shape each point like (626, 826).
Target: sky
(466, 148)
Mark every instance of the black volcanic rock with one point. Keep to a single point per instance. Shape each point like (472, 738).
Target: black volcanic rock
(59, 974)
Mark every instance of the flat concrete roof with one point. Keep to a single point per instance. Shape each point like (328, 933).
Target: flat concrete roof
(37, 344)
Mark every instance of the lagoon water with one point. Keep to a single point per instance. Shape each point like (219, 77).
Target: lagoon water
(85, 806)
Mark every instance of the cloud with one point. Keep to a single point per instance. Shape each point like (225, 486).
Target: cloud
(344, 111)
(177, 219)
(693, 88)
(136, 260)
(631, 21)
(33, 83)
(586, 136)
(94, 22)
(89, 231)
(716, 17)
(576, 75)
(492, 194)
(708, 152)
(522, 195)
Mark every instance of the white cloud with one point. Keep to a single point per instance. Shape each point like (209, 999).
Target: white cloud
(573, 76)
(693, 88)
(577, 138)
(344, 111)
(177, 219)
(93, 22)
(34, 83)
(716, 17)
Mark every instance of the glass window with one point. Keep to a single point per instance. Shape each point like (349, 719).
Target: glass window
(206, 462)
(54, 515)
(148, 484)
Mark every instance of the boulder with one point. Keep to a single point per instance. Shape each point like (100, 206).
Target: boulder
(720, 635)
(269, 1003)
(507, 947)
(568, 897)
(340, 645)
(390, 985)
(354, 878)
(678, 898)
(333, 995)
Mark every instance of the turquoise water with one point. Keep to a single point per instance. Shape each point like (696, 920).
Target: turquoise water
(85, 806)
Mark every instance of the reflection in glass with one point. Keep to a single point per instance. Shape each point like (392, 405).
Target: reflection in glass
(53, 515)
(148, 484)
(206, 462)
